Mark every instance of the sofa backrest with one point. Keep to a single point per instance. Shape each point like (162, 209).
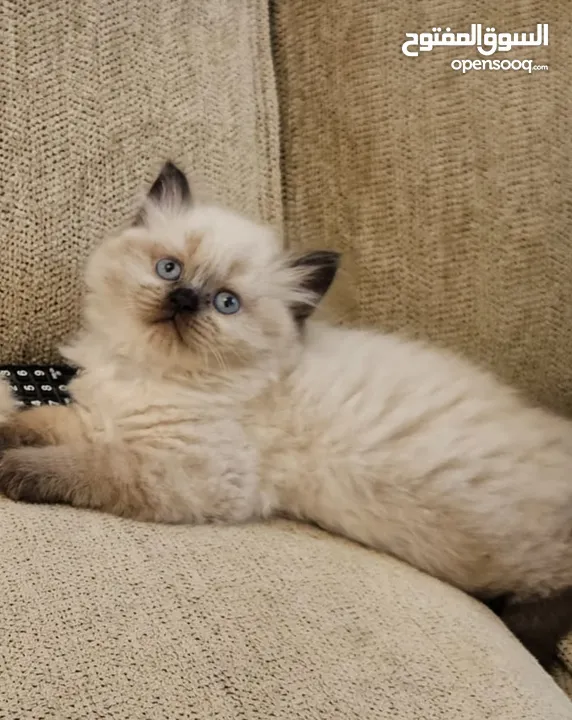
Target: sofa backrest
(95, 97)
(449, 193)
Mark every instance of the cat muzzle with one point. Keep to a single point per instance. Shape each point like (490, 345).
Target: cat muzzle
(183, 300)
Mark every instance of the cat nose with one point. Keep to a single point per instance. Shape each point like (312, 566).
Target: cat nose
(183, 300)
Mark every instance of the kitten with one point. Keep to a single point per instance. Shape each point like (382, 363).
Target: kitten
(208, 394)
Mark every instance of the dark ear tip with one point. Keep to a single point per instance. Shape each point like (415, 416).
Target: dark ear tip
(172, 173)
(328, 257)
(322, 267)
(335, 258)
(171, 181)
(169, 168)
(321, 258)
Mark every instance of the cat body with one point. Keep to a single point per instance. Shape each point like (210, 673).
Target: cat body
(387, 441)
(413, 451)
(208, 394)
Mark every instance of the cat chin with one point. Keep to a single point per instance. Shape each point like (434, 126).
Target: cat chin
(159, 352)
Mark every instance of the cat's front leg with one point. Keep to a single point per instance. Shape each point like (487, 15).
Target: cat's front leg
(21, 437)
(23, 478)
(84, 475)
(39, 427)
(127, 481)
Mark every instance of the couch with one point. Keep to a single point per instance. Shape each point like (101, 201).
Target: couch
(450, 197)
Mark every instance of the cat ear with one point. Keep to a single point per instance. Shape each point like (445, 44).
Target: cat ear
(170, 191)
(318, 272)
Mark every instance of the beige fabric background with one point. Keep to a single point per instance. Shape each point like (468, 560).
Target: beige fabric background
(95, 95)
(451, 195)
(106, 618)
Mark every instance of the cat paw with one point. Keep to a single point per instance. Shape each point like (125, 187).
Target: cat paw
(9, 438)
(22, 481)
(13, 435)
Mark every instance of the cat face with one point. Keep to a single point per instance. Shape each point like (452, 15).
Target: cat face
(195, 287)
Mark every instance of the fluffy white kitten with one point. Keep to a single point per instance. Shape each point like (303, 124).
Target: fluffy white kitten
(206, 394)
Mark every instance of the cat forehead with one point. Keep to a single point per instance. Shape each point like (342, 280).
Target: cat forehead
(213, 236)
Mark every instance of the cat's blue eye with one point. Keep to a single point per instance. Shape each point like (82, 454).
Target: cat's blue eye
(226, 303)
(169, 269)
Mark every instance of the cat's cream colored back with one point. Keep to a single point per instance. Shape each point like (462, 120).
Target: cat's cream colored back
(414, 451)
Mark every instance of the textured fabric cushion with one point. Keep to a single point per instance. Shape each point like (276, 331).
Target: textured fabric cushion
(95, 96)
(106, 618)
(450, 194)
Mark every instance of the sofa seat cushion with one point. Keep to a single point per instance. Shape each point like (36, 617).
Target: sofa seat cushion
(103, 617)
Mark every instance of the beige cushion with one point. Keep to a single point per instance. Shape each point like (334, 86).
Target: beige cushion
(450, 194)
(95, 96)
(102, 617)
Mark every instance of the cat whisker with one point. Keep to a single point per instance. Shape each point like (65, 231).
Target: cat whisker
(241, 357)
(220, 359)
(166, 320)
(204, 355)
(209, 349)
(177, 328)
